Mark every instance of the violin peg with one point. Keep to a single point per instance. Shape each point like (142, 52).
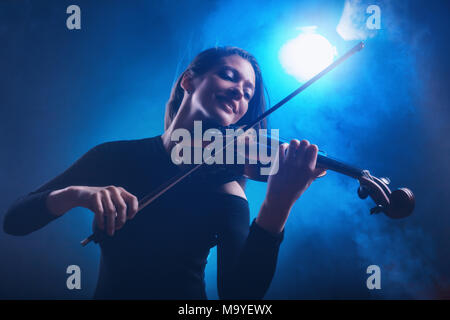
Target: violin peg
(379, 208)
(363, 192)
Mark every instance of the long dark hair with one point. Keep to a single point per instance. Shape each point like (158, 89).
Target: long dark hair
(201, 64)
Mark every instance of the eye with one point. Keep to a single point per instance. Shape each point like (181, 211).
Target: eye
(227, 75)
(247, 95)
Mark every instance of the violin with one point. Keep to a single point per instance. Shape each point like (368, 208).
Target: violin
(394, 204)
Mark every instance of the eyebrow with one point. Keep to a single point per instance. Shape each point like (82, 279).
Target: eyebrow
(248, 83)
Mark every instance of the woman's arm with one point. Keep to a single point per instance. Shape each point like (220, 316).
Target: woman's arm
(36, 209)
(246, 257)
(60, 201)
(87, 183)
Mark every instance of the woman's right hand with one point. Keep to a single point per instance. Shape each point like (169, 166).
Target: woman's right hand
(111, 205)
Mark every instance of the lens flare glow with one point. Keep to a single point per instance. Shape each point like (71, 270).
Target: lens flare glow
(306, 55)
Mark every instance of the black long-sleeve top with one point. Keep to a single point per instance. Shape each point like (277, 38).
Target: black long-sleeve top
(162, 252)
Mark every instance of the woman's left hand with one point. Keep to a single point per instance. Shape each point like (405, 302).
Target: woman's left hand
(296, 171)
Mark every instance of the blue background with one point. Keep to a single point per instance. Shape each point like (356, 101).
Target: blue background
(386, 109)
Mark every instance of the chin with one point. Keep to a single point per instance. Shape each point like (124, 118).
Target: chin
(222, 118)
(222, 122)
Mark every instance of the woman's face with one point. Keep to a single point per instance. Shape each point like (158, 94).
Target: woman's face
(223, 93)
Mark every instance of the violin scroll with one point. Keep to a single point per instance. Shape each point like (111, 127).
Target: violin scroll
(395, 204)
(402, 203)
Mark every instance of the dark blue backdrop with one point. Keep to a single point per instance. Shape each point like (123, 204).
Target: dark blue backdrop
(387, 109)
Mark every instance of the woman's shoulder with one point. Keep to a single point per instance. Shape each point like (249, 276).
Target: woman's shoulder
(232, 188)
(143, 144)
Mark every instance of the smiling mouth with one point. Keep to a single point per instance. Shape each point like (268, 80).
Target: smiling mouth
(228, 105)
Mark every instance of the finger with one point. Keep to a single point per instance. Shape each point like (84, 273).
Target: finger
(320, 172)
(131, 201)
(283, 151)
(291, 153)
(110, 212)
(301, 151)
(121, 207)
(310, 157)
(97, 208)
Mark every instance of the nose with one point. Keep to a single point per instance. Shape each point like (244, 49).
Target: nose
(236, 93)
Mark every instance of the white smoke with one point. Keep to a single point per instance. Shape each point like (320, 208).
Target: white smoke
(354, 24)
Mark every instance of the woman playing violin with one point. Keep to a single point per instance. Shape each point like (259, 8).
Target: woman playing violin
(161, 251)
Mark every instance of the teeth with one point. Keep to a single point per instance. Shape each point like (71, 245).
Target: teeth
(223, 99)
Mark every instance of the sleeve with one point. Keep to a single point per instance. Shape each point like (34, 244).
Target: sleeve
(247, 257)
(30, 213)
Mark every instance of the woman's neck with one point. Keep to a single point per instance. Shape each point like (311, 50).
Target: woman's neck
(184, 119)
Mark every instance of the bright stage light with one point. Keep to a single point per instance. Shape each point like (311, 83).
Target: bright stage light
(306, 55)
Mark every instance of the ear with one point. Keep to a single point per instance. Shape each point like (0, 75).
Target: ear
(187, 82)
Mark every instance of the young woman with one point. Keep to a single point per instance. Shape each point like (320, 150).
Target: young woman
(160, 252)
